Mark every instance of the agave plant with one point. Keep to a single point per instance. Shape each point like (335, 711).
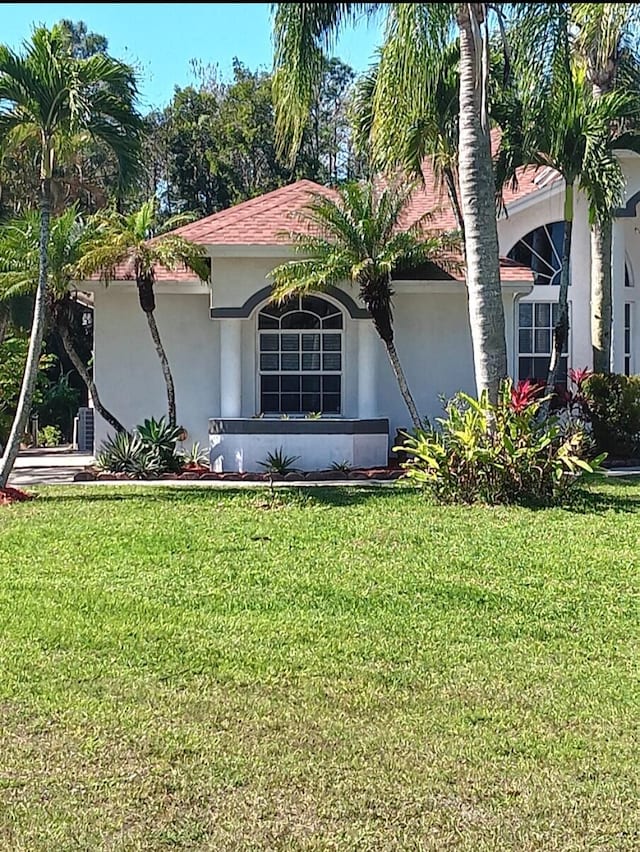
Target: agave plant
(127, 453)
(161, 438)
(279, 463)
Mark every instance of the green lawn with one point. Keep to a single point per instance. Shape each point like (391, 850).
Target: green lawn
(336, 670)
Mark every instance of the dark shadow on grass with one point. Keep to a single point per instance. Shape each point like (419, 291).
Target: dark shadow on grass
(327, 495)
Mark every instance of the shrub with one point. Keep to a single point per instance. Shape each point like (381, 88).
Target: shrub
(162, 439)
(612, 403)
(127, 453)
(197, 456)
(149, 451)
(506, 453)
(49, 436)
(278, 462)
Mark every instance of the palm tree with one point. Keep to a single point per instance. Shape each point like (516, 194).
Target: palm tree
(605, 43)
(136, 240)
(431, 135)
(19, 266)
(418, 34)
(566, 128)
(47, 94)
(357, 238)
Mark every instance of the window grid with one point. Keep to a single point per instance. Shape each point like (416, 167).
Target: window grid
(536, 321)
(627, 338)
(300, 357)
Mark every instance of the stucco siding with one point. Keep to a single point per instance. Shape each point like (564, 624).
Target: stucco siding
(127, 369)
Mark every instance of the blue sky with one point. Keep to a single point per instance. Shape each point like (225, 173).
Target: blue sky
(160, 39)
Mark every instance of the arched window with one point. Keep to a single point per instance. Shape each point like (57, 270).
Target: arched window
(300, 357)
(541, 251)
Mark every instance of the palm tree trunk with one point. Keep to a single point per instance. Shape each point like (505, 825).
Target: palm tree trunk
(601, 295)
(35, 343)
(85, 375)
(452, 192)
(601, 291)
(477, 198)
(396, 366)
(166, 369)
(561, 329)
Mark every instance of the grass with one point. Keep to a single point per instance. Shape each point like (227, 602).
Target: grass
(330, 670)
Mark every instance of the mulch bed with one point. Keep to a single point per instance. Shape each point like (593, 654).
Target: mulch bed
(92, 474)
(10, 495)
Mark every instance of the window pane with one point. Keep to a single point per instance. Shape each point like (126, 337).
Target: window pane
(332, 361)
(317, 305)
(554, 313)
(331, 403)
(271, 384)
(269, 402)
(525, 340)
(265, 321)
(269, 362)
(310, 384)
(627, 365)
(525, 315)
(290, 403)
(331, 384)
(627, 340)
(543, 341)
(311, 402)
(310, 342)
(311, 361)
(334, 321)
(331, 342)
(542, 314)
(290, 384)
(300, 319)
(289, 342)
(268, 342)
(627, 314)
(290, 361)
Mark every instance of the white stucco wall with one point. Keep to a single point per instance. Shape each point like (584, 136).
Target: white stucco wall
(127, 370)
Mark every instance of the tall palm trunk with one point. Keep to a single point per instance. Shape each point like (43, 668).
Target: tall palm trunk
(379, 306)
(148, 305)
(477, 198)
(601, 295)
(35, 343)
(407, 396)
(601, 290)
(65, 338)
(561, 328)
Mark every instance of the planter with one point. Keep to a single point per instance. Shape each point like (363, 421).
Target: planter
(240, 444)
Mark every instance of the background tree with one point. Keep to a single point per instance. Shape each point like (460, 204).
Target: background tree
(135, 240)
(19, 268)
(48, 95)
(417, 36)
(357, 238)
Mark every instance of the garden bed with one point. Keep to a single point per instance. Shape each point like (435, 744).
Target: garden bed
(91, 474)
(13, 495)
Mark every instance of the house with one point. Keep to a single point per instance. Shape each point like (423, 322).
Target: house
(246, 373)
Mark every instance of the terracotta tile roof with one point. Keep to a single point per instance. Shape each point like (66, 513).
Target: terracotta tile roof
(124, 272)
(259, 221)
(265, 220)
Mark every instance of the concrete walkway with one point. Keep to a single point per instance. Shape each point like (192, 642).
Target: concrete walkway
(48, 466)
